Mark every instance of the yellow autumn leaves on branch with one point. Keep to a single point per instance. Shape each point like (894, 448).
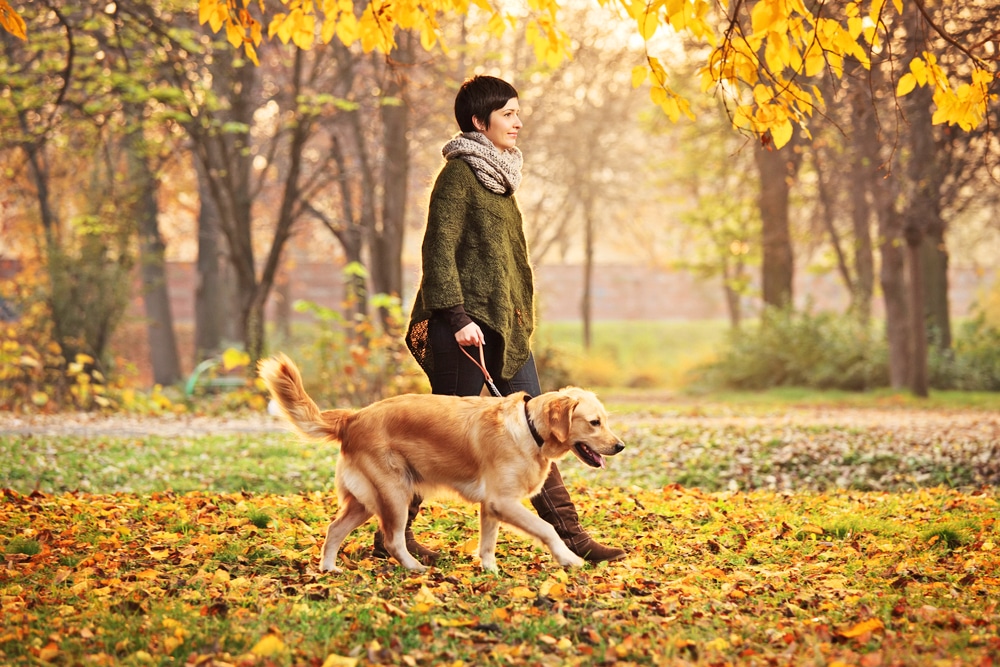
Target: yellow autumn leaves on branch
(765, 55)
(11, 21)
(302, 22)
(765, 64)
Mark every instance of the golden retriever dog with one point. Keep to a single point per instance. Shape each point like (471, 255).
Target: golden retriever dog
(491, 451)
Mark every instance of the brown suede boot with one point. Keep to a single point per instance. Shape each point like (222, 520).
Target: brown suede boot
(555, 506)
(423, 554)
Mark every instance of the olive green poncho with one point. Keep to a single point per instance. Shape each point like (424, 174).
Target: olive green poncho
(474, 254)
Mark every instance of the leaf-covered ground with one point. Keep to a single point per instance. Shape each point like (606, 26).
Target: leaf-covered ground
(820, 449)
(187, 548)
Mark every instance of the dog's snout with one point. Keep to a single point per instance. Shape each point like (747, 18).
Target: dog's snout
(619, 446)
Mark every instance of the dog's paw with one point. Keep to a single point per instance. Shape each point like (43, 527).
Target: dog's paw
(572, 560)
(490, 566)
(329, 567)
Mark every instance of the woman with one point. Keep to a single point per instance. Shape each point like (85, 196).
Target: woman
(477, 287)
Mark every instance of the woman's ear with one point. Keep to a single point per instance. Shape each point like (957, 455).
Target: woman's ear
(476, 123)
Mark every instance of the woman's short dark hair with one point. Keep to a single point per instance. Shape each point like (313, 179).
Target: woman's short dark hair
(480, 96)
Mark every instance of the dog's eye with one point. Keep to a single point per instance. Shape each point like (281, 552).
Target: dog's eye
(595, 422)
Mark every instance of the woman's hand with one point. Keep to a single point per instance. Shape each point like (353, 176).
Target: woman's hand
(470, 334)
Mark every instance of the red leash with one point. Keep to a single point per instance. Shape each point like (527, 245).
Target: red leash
(481, 364)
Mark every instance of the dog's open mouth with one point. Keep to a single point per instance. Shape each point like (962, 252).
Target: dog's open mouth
(588, 455)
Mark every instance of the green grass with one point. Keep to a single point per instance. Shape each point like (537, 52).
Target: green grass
(264, 462)
(633, 354)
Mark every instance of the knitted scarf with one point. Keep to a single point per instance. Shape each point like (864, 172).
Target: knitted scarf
(498, 171)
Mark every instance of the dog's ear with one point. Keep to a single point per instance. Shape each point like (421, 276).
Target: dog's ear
(559, 415)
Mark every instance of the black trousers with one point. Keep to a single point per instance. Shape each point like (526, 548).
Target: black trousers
(456, 375)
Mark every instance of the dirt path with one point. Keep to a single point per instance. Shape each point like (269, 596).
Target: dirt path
(980, 425)
(89, 424)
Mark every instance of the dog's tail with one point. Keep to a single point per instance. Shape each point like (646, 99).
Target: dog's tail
(284, 382)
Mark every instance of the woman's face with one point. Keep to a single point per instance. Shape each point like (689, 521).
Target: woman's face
(504, 124)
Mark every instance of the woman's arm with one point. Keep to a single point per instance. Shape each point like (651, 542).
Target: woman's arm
(441, 285)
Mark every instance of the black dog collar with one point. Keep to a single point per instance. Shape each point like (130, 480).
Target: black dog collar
(531, 425)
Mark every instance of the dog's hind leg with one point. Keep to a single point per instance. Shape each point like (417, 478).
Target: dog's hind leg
(352, 514)
(489, 528)
(392, 516)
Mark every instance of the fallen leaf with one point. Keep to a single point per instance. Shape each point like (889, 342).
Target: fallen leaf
(268, 646)
(522, 592)
(871, 625)
(812, 528)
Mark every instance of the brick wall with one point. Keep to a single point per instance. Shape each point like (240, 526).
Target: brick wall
(619, 292)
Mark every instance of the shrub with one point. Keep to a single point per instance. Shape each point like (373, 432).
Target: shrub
(36, 374)
(974, 362)
(359, 359)
(553, 371)
(54, 355)
(790, 348)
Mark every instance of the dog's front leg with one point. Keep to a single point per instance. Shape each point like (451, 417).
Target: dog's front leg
(489, 528)
(514, 513)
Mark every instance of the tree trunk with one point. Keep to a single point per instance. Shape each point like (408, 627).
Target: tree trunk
(828, 207)
(159, 319)
(920, 217)
(208, 302)
(733, 297)
(918, 324)
(226, 158)
(387, 241)
(586, 305)
(864, 177)
(254, 328)
(892, 278)
(934, 256)
(777, 168)
(283, 305)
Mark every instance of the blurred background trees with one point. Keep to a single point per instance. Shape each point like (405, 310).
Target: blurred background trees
(131, 135)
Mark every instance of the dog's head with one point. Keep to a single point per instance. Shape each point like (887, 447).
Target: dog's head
(577, 422)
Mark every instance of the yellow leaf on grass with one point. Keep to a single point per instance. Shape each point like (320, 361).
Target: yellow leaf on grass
(812, 528)
(268, 646)
(554, 589)
(456, 622)
(334, 660)
(424, 600)
(871, 625)
(522, 592)
(49, 652)
(717, 644)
